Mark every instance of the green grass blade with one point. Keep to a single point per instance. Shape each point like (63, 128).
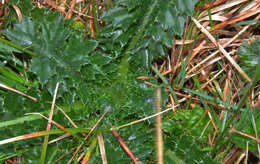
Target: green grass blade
(17, 47)
(9, 74)
(44, 149)
(209, 98)
(224, 120)
(166, 83)
(94, 12)
(181, 76)
(19, 120)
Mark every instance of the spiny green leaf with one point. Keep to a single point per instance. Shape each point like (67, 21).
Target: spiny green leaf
(42, 67)
(76, 53)
(24, 33)
(53, 37)
(100, 59)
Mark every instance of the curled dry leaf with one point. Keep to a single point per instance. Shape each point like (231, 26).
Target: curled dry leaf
(18, 12)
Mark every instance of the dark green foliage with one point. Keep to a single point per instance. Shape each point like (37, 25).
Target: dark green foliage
(184, 149)
(133, 136)
(190, 121)
(47, 40)
(159, 21)
(95, 74)
(184, 135)
(88, 81)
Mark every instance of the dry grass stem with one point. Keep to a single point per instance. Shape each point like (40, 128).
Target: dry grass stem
(246, 159)
(233, 130)
(182, 42)
(203, 131)
(146, 118)
(240, 158)
(18, 92)
(72, 123)
(53, 122)
(214, 77)
(92, 129)
(222, 7)
(124, 146)
(51, 111)
(70, 12)
(159, 133)
(18, 12)
(102, 148)
(59, 138)
(221, 49)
